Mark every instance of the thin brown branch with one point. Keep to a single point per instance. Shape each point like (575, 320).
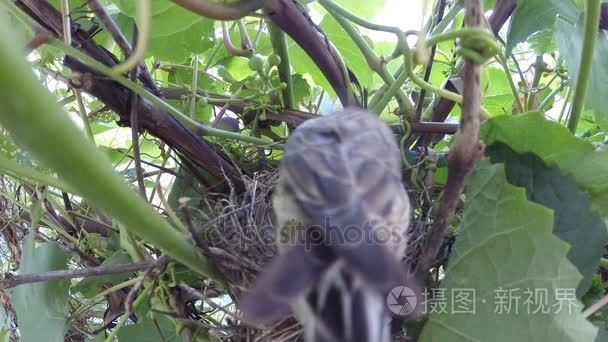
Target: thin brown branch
(11, 281)
(294, 118)
(465, 151)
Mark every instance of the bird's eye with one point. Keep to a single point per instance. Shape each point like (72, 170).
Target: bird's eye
(328, 136)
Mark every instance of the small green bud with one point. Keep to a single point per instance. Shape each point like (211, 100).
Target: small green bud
(256, 63)
(274, 60)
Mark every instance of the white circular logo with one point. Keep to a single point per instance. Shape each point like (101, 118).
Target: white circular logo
(401, 300)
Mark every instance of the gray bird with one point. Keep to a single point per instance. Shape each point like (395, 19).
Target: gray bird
(342, 213)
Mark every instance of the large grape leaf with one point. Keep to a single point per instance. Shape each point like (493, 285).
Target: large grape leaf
(569, 40)
(575, 223)
(553, 143)
(175, 33)
(531, 16)
(506, 244)
(42, 308)
(353, 57)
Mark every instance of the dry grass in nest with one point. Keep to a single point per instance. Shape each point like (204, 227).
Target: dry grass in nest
(241, 241)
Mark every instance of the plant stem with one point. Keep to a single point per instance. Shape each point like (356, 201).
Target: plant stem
(592, 21)
(566, 98)
(379, 106)
(247, 52)
(141, 297)
(194, 86)
(448, 18)
(334, 8)
(505, 67)
(144, 14)
(406, 107)
(463, 33)
(17, 170)
(245, 40)
(279, 45)
(541, 107)
(539, 68)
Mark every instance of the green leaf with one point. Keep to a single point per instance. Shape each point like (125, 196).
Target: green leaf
(179, 47)
(175, 33)
(98, 128)
(497, 94)
(353, 57)
(569, 41)
(91, 286)
(542, 42)
(115, 154)
(574, 221)
(532, 16)
(238, 68)
(301, 89)
(302, 64)
(553, 143)
(506, 244)
(36, 213)
(494, 82)
(48, 299)
(365, 9)
(150, 331)
(184, 185)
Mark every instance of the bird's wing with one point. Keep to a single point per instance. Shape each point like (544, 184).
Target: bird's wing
(343, 172)
(282, 281)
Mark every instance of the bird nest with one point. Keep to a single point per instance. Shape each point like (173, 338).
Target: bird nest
(241, 241)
